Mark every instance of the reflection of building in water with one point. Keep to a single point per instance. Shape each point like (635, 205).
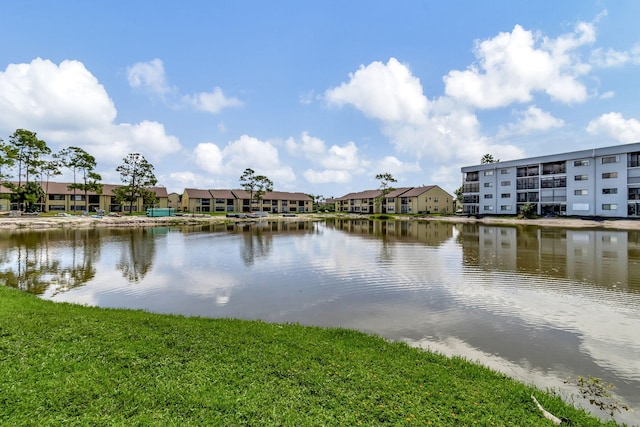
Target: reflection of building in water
(606, 257)
(432, 233)
(598, 256)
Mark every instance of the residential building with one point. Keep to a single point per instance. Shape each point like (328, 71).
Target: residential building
(196, 200)
(596, 182)
(405, 200)
(59, 198)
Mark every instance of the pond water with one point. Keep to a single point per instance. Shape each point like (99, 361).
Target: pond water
(540, 304)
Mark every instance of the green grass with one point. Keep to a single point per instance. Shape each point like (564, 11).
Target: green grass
(64, 364)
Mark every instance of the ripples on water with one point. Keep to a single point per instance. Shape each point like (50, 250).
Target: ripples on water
(540, 304)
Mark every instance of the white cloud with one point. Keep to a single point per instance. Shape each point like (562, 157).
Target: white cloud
(397, 96)
(434, 132)
(327, 176)
(66, 105)
(311, 147)
(608, 95)
(512, 66)
(615, 126)
(245, 152)
(338, 163)
(44, 96)
(149, 76)
(533, 119)
(394, 166)
(208, 157)
(211, 102)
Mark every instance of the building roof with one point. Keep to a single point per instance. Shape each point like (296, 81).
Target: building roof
(367, 194)
(592, 152)
(195, 193)
(244, 195)
(417, 191)
(396, 192)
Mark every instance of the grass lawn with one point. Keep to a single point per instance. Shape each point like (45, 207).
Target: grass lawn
(64, 364)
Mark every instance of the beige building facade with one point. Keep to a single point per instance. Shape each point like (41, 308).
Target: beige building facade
(59, 198)
(198, 200)
(429, 199)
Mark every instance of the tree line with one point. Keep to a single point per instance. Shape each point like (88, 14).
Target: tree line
(27, 165)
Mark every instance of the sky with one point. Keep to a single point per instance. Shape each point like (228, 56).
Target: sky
(322, 96)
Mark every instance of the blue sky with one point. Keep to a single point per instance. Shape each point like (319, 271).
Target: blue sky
(320, 96)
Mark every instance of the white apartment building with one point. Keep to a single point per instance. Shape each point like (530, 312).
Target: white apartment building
(597, 182)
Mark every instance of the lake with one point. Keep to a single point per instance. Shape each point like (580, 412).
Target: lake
(541, 304)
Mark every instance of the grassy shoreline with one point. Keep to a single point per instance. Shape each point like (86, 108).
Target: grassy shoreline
(69, 364)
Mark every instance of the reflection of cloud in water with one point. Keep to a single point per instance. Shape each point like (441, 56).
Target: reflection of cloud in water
(547, 302)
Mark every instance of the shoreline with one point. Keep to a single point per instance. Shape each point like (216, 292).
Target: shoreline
(47, 222)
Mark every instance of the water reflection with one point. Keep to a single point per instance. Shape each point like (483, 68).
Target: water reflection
(137, 254)
(32, 261)
(607, 258)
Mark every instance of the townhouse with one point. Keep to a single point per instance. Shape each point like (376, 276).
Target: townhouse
(198, 200)
(59, 198)
(595, 182)
(405, 200)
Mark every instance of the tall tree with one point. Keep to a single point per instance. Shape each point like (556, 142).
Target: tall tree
(49, 169)
(83, 163)
(386, 179)
(256, 185)
(28, 155)
(7, 161)
(488, 158)
(137, 176)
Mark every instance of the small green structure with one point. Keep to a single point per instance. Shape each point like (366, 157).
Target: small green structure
(156, 212)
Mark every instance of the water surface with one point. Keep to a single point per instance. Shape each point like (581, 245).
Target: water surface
(540, 304)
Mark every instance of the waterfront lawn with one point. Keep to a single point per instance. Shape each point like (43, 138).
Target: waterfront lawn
(63, 364)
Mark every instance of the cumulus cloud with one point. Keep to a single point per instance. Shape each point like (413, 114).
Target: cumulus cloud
(436, 132)
(149, 76)
(338, 164)
(512, 66)
(66, 105)
(614, 125)
(395, 166)
(245, 152)
(327, 176)
(211, 102)
(397, 96)
(533, 119)
(46, 96)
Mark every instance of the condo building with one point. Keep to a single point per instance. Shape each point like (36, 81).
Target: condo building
(596, 182)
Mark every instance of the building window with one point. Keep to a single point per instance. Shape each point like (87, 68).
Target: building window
(608, 175)
(488, 173)
(505, 183)
(435, 200)
(581, 177)
(505, 196)
(581, 192)
(504, 171)
(488, 196)
(488, 184)
(505, 208)
(609, 159)
(609, 191)
(610, 207)
(488, 207)
(578, 163)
